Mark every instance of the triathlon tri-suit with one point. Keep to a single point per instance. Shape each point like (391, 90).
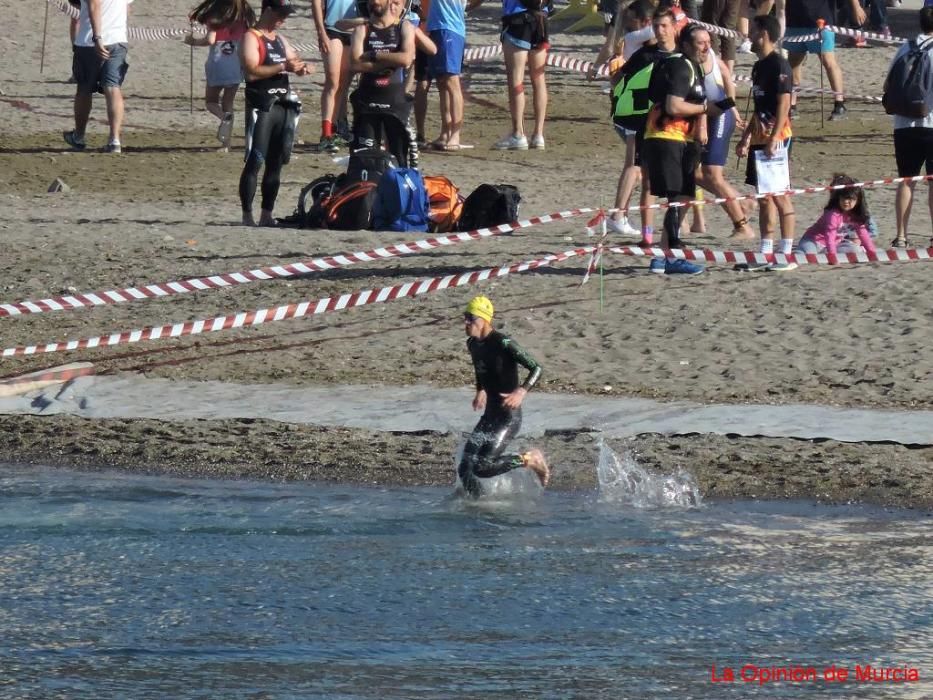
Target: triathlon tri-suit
(272, 112)
(380, 105)
(495, 359)
(718, 129)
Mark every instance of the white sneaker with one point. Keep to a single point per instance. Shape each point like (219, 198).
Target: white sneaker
(745, 47)
(622, 226)
(537, 142)
(512, 143)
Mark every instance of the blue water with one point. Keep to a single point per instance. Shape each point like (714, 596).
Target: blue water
(131, 587)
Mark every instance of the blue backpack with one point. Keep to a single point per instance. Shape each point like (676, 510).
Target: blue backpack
(401, 202)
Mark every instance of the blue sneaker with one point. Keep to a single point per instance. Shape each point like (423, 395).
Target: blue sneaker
(657, 266)
(682, 267)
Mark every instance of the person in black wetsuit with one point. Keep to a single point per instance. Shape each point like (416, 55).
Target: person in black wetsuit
(496, 358)
(380, 51)
(272, 109)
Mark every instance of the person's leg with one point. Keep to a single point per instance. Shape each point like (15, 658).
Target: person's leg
(482, 455)
(834, 74)
(228, 99)
(114, 97)
(421, 107)
(257, 143)
(82, 108)
(628, 178)
(795, 59)
(713, 180)
(398, 138)
(446, 107)
(515, 61)
(787, 222)
(276, 157)
(333, 66)
(766, 221)
(537, 62)
(902, 204)
(212, 101)
(455, 104)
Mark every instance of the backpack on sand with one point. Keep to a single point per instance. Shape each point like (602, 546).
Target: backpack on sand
(350, 208)
(310, 212)
(369, 164)
(489, 205)
(445, 203)
(908, 89)
(401, 202)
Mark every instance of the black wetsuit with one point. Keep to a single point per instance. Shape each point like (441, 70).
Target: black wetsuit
(496, 359)
(272, 112)
(380, 105)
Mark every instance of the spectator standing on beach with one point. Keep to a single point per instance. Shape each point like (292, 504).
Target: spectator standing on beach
(675, 130)
(100, 66)
(724, 13)
(381, 50)
(272, 109)
(496, 358)
(334, 45)
(913, 137)
(447, 28)
(845, 216)
(801, 18)
(769, 129)
(717, 79)
(226, 22)
(630, 112)
(524, 44)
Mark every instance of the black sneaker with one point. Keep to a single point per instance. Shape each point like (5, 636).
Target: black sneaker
(71, 138)
(839, 112)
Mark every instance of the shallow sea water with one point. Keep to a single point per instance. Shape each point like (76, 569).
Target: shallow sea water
(119, 586)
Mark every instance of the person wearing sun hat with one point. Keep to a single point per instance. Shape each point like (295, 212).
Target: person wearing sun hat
(499, 395)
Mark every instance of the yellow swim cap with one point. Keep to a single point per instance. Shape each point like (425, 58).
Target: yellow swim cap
(480, 307)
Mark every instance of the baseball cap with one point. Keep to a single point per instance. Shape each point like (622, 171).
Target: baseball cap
(283, 7)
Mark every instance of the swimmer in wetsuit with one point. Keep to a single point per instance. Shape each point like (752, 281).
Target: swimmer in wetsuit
(496, 358)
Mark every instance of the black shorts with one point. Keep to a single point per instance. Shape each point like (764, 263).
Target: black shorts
(526, 30)
(671, 167)
(334, 34)
(751, 173)
(421, 65)
(624, 132)
(913, 149)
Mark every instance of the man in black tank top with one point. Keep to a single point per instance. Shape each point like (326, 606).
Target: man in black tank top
(380, 51)
(272, 109)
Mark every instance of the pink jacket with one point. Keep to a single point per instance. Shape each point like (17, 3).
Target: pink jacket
(830, 230)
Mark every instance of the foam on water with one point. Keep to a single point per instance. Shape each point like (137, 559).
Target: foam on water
(623, 480)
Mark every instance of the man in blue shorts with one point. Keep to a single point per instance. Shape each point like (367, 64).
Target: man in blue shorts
(100, 66)
(447, 29)
(802, 17)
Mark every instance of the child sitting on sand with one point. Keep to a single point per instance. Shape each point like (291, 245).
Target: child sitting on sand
(845, 213)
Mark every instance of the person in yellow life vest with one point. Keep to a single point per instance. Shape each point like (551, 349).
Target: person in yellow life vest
(675, 131)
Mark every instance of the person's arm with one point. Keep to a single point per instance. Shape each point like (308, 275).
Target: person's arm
(398, 59)
(864, 236)
(208, 39)
(522, 357)
(249, 59)
(858, 12)
(424, 42)
(317, 14)
(608, 47)
(359, 64)
(93, 11)
(828, 225)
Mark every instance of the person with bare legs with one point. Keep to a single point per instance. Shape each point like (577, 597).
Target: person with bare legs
(226, 22)
(524, 44)
(769, 129)
(100, 66)
(334, 44)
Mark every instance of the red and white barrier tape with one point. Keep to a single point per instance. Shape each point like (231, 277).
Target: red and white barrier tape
(858, 33)
(807, 88)
(144, 33)
(299, 310)
(740, 256)
(816, 189)
(231, 279)
(481, 53)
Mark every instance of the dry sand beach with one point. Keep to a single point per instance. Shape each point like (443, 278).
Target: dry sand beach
(854, 336)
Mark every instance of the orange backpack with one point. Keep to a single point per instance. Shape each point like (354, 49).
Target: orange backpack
(445, 203)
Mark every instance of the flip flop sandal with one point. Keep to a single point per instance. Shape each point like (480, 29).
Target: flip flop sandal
(899, 243)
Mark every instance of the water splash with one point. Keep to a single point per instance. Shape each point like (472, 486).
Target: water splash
(516, 486)
(623, 480)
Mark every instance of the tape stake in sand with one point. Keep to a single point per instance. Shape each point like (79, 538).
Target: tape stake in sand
(305, 308)
(230, 279)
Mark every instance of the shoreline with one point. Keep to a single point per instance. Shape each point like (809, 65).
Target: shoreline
(724, 467)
